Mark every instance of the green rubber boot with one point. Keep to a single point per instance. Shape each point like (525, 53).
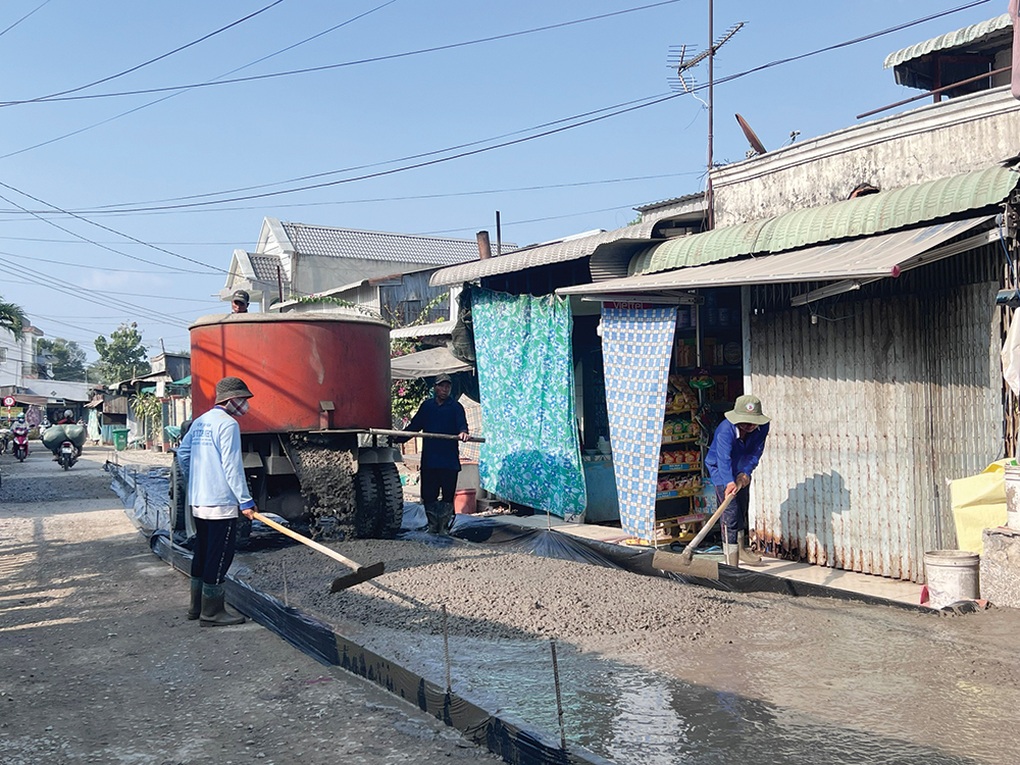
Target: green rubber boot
(214, 610)
(195, 609)
(446, 516)
(432, 514)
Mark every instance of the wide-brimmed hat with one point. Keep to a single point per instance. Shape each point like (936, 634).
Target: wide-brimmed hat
(231, 387)
(747, 409)
(240, 296)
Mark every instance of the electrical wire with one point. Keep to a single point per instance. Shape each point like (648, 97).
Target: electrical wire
(327, 67)
(30, 13)
(174, 95)
(59, 96)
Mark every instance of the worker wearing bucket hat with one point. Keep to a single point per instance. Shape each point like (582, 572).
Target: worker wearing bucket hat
(210, 458)
(737, 447)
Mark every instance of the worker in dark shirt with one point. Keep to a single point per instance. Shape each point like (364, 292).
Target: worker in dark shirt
(440, 457)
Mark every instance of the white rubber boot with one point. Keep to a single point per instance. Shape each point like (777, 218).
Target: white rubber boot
(747, 556)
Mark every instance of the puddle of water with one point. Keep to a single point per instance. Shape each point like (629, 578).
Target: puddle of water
(635, 717)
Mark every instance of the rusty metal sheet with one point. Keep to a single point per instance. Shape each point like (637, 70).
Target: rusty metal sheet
(875, 407)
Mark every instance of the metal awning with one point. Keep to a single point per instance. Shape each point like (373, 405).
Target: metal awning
(427, 363)
(540, 255)
(909, 206)
(851, 264)
(956, 39)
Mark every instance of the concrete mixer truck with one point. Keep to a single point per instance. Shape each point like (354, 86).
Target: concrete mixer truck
(322, 386)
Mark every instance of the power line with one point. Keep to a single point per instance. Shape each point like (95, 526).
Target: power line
(59, 96)
(30, 13)
(174, 95)
(328, 67)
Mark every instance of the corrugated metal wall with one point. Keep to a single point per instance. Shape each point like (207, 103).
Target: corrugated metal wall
(876, 404)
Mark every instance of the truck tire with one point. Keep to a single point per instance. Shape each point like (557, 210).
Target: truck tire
(391, 500)
(366, 510)
(178, 497)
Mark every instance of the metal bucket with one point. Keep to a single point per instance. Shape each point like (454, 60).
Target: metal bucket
(952, 576)
(1013, 496)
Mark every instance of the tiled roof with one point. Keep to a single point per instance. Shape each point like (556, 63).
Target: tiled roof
(376, 245)
(265, 267)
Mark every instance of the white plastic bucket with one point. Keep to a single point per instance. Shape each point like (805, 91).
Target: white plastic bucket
(1013, 496)
(952, 575)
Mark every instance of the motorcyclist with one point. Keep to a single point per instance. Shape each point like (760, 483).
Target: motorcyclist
(67, 419)
(18, 430)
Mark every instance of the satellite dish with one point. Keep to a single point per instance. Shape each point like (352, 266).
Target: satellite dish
(752, 139)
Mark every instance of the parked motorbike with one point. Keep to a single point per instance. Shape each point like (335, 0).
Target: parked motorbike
(67, 455)
(5, 439)
(20, 446)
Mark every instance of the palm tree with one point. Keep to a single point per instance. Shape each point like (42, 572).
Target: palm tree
(12, 318)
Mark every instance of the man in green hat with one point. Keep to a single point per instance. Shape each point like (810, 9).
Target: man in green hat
(736, 449)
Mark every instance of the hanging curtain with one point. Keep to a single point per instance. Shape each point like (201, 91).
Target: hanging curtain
(532, 454)
(636, 345)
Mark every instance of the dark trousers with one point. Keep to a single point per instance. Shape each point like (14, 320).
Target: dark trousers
(214, 549)
(734, 518)
(435, 481)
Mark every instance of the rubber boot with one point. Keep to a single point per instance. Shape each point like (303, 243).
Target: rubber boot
(432, 513)
(747, 555)
(446, 517)
(214, 610)
(731, 554)
(195, 609)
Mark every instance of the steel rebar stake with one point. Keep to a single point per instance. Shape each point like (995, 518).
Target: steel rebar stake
(559, 700)
(446, 650)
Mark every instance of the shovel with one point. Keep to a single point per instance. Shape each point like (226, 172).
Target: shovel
(360, 573)
(684, 563)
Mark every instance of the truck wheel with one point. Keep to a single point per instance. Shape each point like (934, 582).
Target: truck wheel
(366, 509)
(391, 500)
(178, 497)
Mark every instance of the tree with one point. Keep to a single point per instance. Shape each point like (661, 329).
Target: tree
(66, 359)
(12, 318)
(122, 356)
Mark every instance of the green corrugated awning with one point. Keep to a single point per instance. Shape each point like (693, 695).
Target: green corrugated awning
(950, 40)
(851, 218)
(182, 381)
(148, 389)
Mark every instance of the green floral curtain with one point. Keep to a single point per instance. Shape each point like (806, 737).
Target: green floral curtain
(526, 375)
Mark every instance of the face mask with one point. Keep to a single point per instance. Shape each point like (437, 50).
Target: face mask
(238, 407)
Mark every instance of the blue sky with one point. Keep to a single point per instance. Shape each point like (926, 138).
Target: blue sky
(376, 101)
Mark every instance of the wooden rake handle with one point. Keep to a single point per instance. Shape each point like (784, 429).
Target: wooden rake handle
(306, 541)
(688, 552)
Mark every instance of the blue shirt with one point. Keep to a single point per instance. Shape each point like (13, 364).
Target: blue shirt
(433, 417)
(210, 456)
(729, 455)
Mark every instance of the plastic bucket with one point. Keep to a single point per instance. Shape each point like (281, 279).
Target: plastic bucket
(952, 575)
(1013, 496)
(120, 436)
(465, 501)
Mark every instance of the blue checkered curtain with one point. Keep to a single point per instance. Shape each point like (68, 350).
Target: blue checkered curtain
(532, 453)
(636, 346)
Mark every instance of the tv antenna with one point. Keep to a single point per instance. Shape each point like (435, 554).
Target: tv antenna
(685, 78)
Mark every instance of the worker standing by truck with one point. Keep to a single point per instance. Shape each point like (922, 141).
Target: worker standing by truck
(736, 449)
(440, 457)
(210, 458)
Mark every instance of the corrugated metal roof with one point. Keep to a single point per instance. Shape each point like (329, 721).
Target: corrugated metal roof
(540, 255)
(377, 245)
(872, 257)
(437, 329)
(950, 40)
(851, 218)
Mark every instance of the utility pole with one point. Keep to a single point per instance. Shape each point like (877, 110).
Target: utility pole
(683, 68)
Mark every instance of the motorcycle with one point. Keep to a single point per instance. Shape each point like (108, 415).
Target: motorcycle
(5, 439)
(20, 447)
(67, 455)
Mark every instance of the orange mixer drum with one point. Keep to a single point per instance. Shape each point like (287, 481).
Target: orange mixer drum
(295, 364)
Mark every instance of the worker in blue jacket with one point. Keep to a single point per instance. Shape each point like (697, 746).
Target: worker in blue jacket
(736, 449)
(440, 458)
(210, 458)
